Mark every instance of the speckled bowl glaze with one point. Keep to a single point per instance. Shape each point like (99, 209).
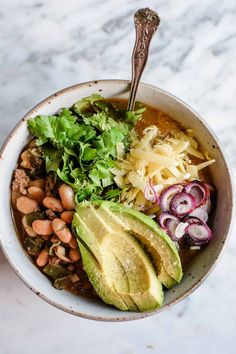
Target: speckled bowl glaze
(222, 179)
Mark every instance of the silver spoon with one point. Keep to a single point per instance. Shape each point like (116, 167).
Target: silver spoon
(146, 23)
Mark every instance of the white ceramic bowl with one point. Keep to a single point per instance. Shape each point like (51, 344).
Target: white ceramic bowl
(181, 112)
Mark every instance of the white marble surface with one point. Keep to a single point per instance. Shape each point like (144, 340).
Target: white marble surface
(47, 45)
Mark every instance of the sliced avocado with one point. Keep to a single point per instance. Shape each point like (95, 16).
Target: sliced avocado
(82, 229)
(163, 276)
(92, 261)
(126, 298)
(163, 252)
(119, 279)
(157, 243)
(161, 248)
(115, 262)
(98, 280)
(144, 286)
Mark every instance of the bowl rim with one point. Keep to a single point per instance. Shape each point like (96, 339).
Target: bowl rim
(140, 315)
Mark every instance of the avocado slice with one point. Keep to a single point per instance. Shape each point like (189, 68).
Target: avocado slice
(98, 280)
(157, 243)
(91, 261)
(144, 287)
(115, 262)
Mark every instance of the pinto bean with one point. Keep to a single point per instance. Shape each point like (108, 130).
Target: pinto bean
(67, 197)
(42, 258)
(26, 205)
(58, 225)
(64, 235)
(36, 193)
(73, 243)
(67, 216)
(53, 203)
(42, 227)
(74, 255)
(40, 182)
(25, 160)
(60, 229)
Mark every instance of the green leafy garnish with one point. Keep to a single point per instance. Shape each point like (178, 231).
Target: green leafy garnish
(79, 144)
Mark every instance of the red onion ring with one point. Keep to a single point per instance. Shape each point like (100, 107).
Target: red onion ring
(192, 220)
(199, 191)
(200, 213)
(182, 204)
(164, 217)
(167, 194)
(199, 234)
(207, 206)
(150, 193)
(171, 225)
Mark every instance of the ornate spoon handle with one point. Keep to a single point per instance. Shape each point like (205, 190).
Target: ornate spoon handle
(146, 23)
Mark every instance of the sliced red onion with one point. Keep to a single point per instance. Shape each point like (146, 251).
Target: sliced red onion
(150, 193)
(199, 191)
(167, 195)
(171, 226)
(200, 213)
(192, 220)
(180, 230)
(182, 204)
(185, 212)
(164, 217)
(199, 234)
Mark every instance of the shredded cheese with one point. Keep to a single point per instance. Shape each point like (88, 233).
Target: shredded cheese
(162, 161)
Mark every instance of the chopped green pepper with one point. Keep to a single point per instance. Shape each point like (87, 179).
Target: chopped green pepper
(55, 271)
(33, 245)
(63, 283)
(37, 215)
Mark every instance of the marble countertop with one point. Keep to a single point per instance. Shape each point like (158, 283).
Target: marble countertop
(48, 45)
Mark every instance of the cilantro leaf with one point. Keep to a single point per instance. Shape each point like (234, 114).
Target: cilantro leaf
(62, 130)
(80, 144)
(52, 157)
(113, 194)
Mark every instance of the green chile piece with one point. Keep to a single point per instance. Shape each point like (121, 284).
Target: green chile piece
(63, 283)
(33, 245)
(55, 271)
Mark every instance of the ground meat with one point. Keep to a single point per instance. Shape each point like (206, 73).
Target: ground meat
(21, 181)
(50, 213)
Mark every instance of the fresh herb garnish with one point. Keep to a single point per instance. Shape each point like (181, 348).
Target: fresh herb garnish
(80, 144)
